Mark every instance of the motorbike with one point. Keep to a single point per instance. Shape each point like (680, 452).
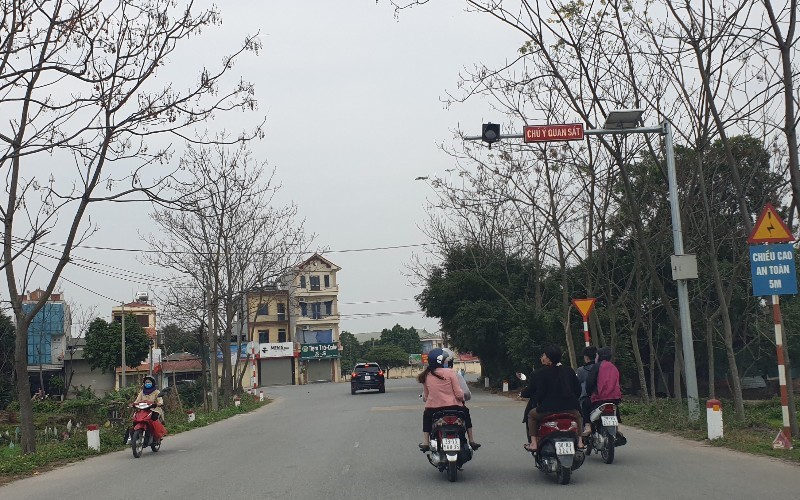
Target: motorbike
(144, 431)
(558, 446)
(449, 448)
(603, 439)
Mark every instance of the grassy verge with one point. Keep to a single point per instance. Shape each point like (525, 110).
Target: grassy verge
(53, 453)
(752, 435)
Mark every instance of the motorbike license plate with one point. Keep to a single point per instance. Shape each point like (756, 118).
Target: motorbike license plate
(565, 448)
(451, 444)
(609, 421)
(366, 377)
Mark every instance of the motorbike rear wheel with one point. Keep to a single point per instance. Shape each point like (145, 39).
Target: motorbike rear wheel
(155, 446)
(452, 472)
(563, 474)
(607, 452)
(137, 443)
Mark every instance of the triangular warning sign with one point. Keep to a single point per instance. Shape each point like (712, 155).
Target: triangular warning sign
(585, 306)
(770, 228)
(782, 442)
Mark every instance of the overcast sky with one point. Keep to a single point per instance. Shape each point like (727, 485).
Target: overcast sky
(352, 98)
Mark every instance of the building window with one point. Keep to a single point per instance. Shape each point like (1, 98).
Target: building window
(328, 308)
(281, 335)
(314, 282)
(118, 318)
(281, 312)
(316, 310)
(263, 310)
(263, 336)
(302, 281)
(327, 281)
(143, 320)
(303, 309)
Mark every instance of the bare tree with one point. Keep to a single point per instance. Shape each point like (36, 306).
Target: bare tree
(233, 239)
(81, 84)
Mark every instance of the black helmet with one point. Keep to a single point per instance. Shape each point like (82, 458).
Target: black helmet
(604, 353)
(590, 352)
(436, 358)
(151, 379)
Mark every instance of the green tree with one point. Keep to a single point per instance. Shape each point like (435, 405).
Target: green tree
(176, 339)
(388, 356)
(405, 338)
(104, 343)
(351, 350)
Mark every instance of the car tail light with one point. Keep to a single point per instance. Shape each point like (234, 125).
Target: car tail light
(354, 375)
(380, 373)
(450, 419)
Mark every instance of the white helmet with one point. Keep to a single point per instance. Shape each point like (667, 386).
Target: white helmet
(449, 357)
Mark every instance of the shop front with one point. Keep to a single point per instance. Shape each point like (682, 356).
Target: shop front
(275, 363)
(320, 362)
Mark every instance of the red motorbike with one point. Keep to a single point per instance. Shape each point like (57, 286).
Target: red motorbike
(558, 446)
(145, 431)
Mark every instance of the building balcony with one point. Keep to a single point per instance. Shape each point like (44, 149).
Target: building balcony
(316, 291)
(317, 320)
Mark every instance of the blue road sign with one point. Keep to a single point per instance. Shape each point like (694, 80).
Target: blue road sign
(773, 270)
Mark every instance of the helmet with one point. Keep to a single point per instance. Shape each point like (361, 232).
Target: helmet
(590, 351)
(449, 357)
(436, 358)
(151, 379)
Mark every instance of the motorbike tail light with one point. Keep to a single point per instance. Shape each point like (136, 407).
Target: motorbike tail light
(551, 424)
(450, 419)
(609, 409)
(573, 426)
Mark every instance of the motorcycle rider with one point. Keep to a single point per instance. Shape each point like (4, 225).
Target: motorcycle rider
(602, 385)
(589, 355)
(150, 394)
(554, 388)
(440, 391)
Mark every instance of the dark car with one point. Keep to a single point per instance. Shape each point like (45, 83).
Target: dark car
(367, 376)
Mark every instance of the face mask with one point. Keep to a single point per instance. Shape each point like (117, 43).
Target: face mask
(148, 385)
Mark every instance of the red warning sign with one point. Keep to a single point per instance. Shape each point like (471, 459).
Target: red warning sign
(782, 442)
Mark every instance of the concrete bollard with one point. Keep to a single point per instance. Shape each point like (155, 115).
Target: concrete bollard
(93, 436)
(714, 418)
(505, 385)
(237, 401)
(486, 382)
(190, 416)
(261, 395)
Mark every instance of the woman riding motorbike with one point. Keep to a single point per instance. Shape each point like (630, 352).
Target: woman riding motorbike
(150, 394)
(440, 391)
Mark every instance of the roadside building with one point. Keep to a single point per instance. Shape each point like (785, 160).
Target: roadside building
(273, 352)
(314, 292)
(48, 335)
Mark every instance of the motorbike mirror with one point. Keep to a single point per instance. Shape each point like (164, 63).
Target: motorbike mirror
(521, 376)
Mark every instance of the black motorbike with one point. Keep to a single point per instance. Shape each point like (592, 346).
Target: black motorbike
(449, 448)
(605, 435)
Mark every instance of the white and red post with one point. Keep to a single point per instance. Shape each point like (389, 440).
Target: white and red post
(586, 337)
(585, 307)
(782, 375)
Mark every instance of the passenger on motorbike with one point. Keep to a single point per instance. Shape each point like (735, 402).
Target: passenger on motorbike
(440, 391)
(449, 357)
(150, 394)
(554, 388)
(602, 385)
(589, 355)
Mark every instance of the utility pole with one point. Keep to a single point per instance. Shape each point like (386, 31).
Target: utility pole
(212, 348)
(123, 384)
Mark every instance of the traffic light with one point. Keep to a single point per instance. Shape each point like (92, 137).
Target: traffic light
(490, 133)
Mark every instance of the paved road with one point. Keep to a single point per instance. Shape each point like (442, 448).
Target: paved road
(319, 441)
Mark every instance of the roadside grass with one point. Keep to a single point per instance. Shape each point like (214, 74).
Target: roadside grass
(58, 451)
(754, 434)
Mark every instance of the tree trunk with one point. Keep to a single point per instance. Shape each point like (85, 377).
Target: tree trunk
(28, 439)
(712, 390)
